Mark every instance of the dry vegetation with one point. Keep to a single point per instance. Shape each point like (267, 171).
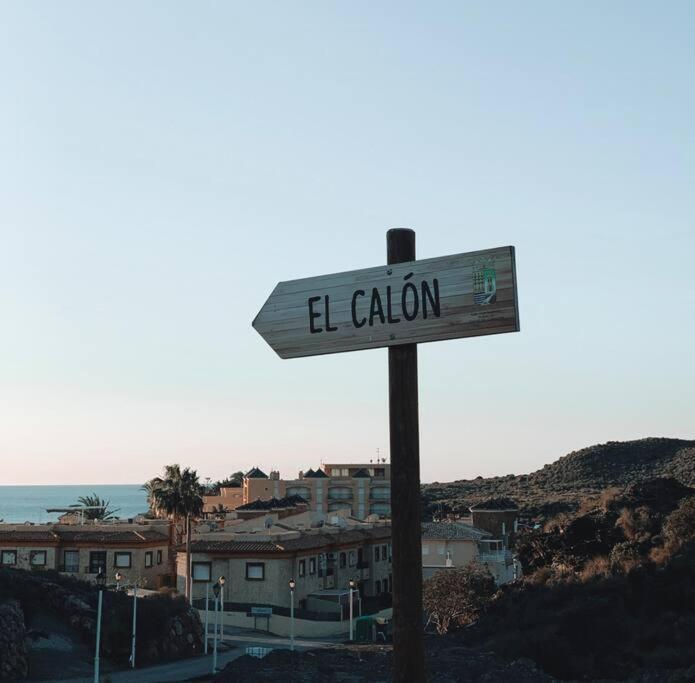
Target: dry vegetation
(609, 591)
(567, 483)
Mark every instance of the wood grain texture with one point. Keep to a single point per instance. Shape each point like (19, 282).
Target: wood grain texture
(284, 320)
(404, 436)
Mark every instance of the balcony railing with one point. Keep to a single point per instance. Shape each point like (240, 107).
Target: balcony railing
(499, 556)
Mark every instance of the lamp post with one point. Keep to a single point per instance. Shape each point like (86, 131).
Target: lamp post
(207, 610)
(101, 583)
(133, 630)
(293, 584)
(216, 591)
(221, 581)
(352, 585)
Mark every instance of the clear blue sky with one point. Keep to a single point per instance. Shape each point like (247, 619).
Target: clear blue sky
(164, 164)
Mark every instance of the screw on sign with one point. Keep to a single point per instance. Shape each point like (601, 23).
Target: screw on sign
(400, 305)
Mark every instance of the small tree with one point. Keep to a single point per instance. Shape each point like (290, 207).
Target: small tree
(99, 508)
(457, 596)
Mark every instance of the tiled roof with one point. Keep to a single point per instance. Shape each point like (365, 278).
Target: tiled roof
(452, 530)
(303, 542)
(229, 546)
(495, 504)
(130, 536)
(79, 534)
(315, 474)
(28, 533)
(273, 503)
(255, 473)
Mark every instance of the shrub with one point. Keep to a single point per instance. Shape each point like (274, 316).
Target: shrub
(596, 567)
(625, 556)
(457, 596)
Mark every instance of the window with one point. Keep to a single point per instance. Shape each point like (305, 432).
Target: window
(37, 558)
(383, 552)
(302, 567)
(148, 558)
(351, 558)
(440, 550)
(343, 560)
(377, 587)
(8, 557)
(322, 562)
(97, 561)
(71, 559)
(122, 560)
(159, 557)
(425, 550)
(255, 571)
(312, 565)
(202, 571)
(376, 553)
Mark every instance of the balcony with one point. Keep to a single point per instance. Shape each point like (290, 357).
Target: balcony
(340, 493)
(380, 493)
(501, 557)
(363, 568)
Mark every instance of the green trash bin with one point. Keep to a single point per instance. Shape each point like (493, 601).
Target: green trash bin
(364, 629)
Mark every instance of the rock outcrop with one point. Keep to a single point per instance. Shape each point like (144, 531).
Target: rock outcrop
(13, 655)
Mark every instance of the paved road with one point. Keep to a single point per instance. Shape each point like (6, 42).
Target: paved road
(235, 638)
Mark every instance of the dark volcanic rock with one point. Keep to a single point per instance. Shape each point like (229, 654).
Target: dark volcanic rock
(13, 655)
(447, 662)
(563, 485)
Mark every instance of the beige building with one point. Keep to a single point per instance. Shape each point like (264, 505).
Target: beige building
(259, 564)
(488, 540)
(449, 544)
(361, 489)
(140, 552)
(228, 498)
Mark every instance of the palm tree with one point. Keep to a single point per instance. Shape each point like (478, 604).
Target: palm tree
(178, 495)
(150, 488)
(99, 508)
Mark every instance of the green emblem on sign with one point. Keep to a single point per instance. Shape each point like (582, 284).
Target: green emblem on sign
(484, 283)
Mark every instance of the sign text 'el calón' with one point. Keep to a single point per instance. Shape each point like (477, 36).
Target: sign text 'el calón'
(463, 295)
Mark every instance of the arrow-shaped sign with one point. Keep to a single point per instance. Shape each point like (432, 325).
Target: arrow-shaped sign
(464, 295)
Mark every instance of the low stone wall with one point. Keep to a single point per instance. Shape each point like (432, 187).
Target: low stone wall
(280, 625)
(13, 655)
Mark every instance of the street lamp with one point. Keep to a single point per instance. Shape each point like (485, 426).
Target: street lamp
(133, 630)
(100, 580)
(207, 611)
(293, 584)
(216, 590)
(221, 581)
(352, 584)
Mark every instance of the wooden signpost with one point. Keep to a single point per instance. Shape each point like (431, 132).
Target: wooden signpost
(399, 305)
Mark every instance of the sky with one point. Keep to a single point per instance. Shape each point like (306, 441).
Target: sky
(164, 164)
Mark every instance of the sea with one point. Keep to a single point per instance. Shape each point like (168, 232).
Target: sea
(20, 504)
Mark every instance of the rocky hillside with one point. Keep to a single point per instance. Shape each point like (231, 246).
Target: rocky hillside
(446, 662)
(562, 485)
(13, 656)
(168, 629)
(608, 593)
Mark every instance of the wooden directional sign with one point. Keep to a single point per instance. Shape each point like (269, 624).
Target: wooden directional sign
(464, 295)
